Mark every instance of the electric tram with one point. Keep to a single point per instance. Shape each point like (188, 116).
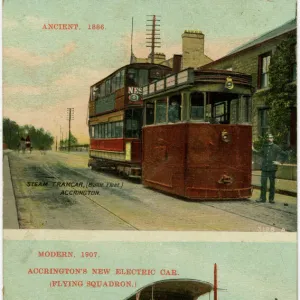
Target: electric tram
(115, 117)
(177, 289)
(197, 134)
(173, 289)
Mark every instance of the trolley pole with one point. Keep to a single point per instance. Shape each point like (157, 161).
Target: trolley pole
(70, 117)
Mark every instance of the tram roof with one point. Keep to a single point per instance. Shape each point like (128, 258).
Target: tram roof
(191, 77)
(134, 65)
(189, 287)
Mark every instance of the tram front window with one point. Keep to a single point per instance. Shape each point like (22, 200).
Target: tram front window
(137, 77)
(174, 114)
(133, 123)
(149, 113)
(160, 111)
(197, 106)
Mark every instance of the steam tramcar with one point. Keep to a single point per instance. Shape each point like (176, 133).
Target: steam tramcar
(197, 134)
(115, 117)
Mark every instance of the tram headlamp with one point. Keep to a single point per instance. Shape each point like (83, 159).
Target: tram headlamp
(225, 136)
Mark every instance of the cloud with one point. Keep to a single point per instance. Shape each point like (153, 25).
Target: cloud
(22, 90)
(217, 48)
(30, 59)
(9, 24)
(36, 21)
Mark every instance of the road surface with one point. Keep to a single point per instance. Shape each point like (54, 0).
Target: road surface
(45, 201)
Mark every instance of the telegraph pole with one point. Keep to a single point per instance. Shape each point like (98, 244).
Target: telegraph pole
(155, 34)
(70, 117)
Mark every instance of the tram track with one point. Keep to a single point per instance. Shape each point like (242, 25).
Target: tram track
(136, 207)
(95, 202)
(236, 202)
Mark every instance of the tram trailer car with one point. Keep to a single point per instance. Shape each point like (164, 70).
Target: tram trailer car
(115, 118)
(197, 135)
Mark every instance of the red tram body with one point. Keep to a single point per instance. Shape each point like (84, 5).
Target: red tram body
(115, 117)
(205, 151)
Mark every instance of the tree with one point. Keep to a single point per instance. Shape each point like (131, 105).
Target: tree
(73, 141)
(12, 133)
(282, 95)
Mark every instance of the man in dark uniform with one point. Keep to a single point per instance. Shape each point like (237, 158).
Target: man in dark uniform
(270, 153)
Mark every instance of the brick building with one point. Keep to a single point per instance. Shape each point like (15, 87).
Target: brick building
(254, 58)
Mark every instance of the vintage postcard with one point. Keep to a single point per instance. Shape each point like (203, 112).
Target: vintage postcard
(65, 266)
(174, 118)
(150, 115)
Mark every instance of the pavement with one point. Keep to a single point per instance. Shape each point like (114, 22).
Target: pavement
(10, 215)
(282, 186)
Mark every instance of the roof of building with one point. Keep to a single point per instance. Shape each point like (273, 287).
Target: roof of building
(286, 27)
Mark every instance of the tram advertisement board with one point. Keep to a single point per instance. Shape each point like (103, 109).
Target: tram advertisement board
(177, 121)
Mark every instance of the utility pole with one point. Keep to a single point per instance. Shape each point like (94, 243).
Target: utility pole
(60, 138)
(155, 33)
(70, 117)
(56, 143)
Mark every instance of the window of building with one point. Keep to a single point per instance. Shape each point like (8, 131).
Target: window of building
(263, 70)
(263, 121)
(197, 106)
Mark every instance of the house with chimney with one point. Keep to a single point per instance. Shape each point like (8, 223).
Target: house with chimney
(254, 58)
(192, 53)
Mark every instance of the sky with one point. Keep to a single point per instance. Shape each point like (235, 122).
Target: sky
(47, 71)
(247, 271)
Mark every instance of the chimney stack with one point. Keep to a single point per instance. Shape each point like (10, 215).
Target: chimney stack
(177, 58)
(193, 49)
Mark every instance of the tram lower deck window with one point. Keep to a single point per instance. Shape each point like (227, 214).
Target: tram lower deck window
(160, 111)
(197, 106)
(149, 113)
(133, 123)
(174, 113)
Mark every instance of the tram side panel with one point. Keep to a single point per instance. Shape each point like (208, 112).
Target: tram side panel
(218, 161)
(164, 150)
